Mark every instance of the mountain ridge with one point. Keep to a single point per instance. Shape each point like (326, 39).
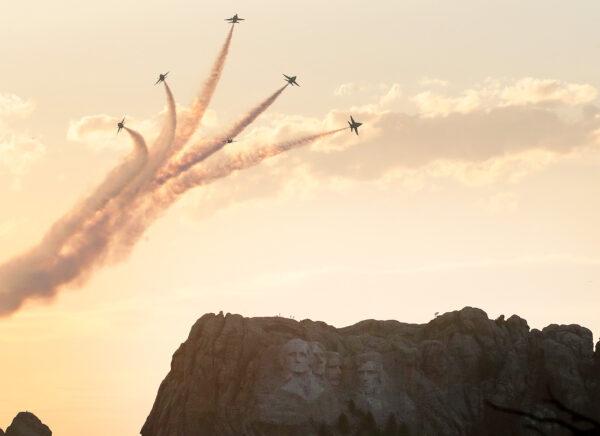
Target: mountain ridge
(278, 376)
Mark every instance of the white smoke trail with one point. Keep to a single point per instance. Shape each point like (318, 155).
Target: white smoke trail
(206, 148)
(38, 272)
(164, 197)
(189, 123)
(41, 272)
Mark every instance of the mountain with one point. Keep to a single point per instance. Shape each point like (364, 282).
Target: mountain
(27, 424)
(451, 376)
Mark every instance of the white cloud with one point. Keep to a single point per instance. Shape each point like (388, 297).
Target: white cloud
(18, 150)
(493, 93)
(431, 81)
(431, 104)
(393, 94)
(475, 139)
(535, 91)
(13, 105)
(99, 132)
(354, 88)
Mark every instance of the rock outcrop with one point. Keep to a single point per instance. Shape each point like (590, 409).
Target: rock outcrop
(27, 424)
(277, 376)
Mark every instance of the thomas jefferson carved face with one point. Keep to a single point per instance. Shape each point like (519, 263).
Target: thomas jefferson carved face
(317, 358)
(295, 356)
(334, 368)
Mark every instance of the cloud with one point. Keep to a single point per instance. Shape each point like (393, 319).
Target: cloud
(354, 88)
(493, 93)
(92, 129)
(18, 150)
(13, 105)
(393, 94)
(431, 81)
(431, 104)
(478, 141)
(99, 131)
(535, 91)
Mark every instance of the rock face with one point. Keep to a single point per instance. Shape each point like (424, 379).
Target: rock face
(279, 377)
(27, 424)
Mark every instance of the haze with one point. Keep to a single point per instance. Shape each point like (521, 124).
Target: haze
(474, 182)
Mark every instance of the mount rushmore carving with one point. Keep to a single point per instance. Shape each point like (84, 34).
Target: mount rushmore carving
(277, 376)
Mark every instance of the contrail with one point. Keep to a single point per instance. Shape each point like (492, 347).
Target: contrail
(112, 185)
(205, 149)
(162, 198)
(160, 150)
(42, 269)
(189, 123)
(93, 240)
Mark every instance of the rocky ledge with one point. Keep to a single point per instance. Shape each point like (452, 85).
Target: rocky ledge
(460, 374)
(26, 424)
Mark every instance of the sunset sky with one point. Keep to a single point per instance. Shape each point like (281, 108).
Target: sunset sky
(475, 181)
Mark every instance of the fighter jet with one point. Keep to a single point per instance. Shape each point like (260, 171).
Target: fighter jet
(120, 125)
(291, 80)
(235, 19)
(162, 77)
(354, 125)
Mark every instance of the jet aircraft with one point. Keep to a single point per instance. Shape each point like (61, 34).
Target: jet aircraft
(354, 125)
(291, 80)
(235, 19)
(120, 125)
(162, 77)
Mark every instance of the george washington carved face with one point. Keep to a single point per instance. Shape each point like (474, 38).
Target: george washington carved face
(295, 356)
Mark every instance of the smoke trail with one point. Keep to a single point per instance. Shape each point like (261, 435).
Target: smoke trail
(38, 272)
(160, 149)
(189, 123)
(237, 162)
(207, 148)
(171, 191)
(116, 180)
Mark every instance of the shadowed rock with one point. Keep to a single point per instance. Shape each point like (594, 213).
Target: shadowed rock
(277, 376)
(27, 424)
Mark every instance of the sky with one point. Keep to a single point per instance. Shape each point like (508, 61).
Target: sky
(474, 181)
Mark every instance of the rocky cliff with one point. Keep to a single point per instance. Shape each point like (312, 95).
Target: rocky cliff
(27, 424)
(277, 376)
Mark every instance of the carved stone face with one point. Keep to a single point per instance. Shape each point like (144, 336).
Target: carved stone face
(296, 356)
(318, 360)
(334, 369)
(369, 375)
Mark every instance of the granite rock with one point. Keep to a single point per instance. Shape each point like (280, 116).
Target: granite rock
(27, 424)
(278, 376)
